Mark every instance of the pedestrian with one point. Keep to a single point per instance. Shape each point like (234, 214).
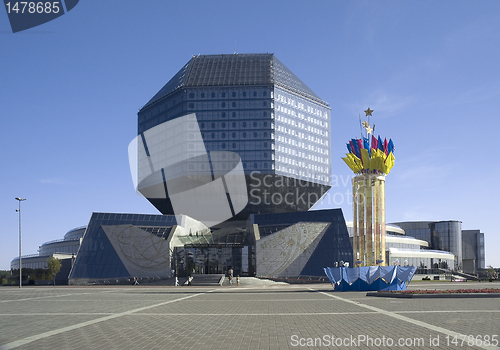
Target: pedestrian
(176, 282)
(136, 282)
(230, 277)
(238, 280)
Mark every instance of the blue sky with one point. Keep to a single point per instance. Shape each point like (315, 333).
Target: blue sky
(70, 91)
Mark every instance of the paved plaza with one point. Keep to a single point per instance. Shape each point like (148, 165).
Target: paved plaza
(250, 316)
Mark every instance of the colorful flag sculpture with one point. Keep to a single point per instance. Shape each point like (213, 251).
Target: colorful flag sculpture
(375, 159)
(371, 159)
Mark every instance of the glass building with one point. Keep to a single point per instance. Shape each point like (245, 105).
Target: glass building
(466, 245)
(116, 247)
(123, 245)
(405, 250)
(252, 104)
(34, 266)
(473, 251)
(417, 229)
(68, 245)
(447, 235)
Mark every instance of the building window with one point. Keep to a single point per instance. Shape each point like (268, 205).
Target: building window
(213, 94)
(223, 114)
(223, 125)
(265, 114)
(265, 144)
(264, 103)
(234, 124)
(234, 114)
(213, 135)
(223, 94)
(244, 135)
(234, 94)
(202, 125)
(265, 124)
(191, 95)
(255, 134)
(223, 104)
(191, 105)
(213, 125)
(265, 134)
(223, 145)
(254, 124)
(244, 124)
(255, 165)
(255, 94)
(234, 104)
(265, 165)
(202, 95)
(244, 94)
(233, 135)
(223, 135)
(234, 144)
(264, 93)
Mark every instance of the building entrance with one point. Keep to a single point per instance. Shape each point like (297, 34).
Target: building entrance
(211, 260)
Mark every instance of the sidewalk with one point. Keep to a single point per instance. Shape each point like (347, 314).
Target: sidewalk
(258, 316)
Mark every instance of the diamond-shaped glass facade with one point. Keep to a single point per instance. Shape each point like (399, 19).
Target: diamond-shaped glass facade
(253, 105)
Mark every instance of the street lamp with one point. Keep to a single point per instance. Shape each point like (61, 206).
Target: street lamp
(20, 266)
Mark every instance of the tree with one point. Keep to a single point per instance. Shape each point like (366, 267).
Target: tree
(492, 274)
(53, 267)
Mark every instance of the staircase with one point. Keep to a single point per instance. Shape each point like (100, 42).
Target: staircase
(207, 280)
(461, 274)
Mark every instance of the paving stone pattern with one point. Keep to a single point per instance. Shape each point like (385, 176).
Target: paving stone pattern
(251, 316)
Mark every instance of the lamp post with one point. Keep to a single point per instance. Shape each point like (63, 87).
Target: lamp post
(20, 266)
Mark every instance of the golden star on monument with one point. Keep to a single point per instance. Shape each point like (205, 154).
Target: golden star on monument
(368, 111)
(366, 125)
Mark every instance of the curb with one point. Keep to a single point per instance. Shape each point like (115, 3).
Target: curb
(433, 296)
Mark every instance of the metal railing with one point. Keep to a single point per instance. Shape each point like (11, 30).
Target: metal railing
(60, 240)
(298, 279)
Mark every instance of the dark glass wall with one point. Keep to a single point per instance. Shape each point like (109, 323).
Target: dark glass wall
(96, 258)
(334, 246)
(473, 250)
(417, 229)
(447, 235)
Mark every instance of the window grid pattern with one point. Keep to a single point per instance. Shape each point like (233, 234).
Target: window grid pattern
(303, 138)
